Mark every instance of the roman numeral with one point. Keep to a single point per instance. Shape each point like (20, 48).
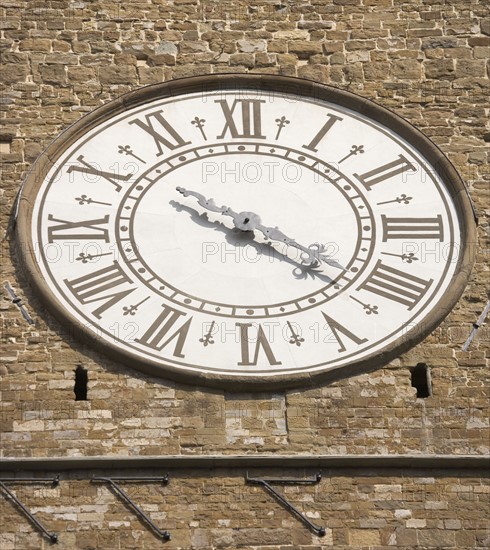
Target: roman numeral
(396, 285)
(338, 329)
(104, 285)
(157, 336)
(67, 230)
(389, 170)
(261, 343)
(172, 140)
(332, 119)
(250, 118)
(412, 228)
(89, 169)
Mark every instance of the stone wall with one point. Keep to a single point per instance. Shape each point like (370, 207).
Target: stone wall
(218, 510)
(428, 61)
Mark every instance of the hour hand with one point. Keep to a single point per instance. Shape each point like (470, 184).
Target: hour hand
(250, 221)
(202, 200)
(240, 220)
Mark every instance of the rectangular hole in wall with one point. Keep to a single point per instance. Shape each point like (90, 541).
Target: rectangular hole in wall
(420, 379)
(81, 382)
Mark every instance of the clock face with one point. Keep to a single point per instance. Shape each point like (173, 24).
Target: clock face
(255, 229)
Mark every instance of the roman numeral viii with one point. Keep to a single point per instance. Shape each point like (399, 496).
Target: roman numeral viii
(412, 228)
(158, 334)
(387, 171)
(107, 285)
(249, 122)
(396, 285)
(169, 138)
(71, 230)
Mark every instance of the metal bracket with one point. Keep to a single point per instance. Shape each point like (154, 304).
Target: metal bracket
(476, 326)
(320, 531)
(163, 534)
(53, 537)
(18, 302)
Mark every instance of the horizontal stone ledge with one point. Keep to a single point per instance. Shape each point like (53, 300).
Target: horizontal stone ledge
(371, 462)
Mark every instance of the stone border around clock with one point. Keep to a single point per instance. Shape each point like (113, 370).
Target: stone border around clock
(272, 84)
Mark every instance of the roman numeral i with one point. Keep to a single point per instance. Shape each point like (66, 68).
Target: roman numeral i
(332, 119)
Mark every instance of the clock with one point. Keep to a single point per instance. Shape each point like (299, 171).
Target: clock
(244, 229)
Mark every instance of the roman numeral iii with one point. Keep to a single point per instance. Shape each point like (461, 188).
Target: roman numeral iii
(396, 285)
(412, 228)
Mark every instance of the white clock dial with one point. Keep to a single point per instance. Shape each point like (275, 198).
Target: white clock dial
(255, 229)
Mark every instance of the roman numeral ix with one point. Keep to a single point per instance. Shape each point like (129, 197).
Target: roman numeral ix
(69, 230)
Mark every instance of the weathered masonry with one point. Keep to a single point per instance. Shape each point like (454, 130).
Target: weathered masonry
(98, 454)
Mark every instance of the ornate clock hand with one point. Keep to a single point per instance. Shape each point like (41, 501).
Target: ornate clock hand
(249, 221)
(204, 202)
(313, 257)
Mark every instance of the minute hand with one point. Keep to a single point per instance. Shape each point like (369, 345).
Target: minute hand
(312, 259)
(249, 221)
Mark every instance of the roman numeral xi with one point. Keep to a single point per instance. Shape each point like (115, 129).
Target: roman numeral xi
(162, 132)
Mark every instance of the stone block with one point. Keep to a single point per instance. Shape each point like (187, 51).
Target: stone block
(251, 46)
(14, 73)
(304, 49)
(440, 68)
(470, 68)
(292, 35)
(364, 538)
